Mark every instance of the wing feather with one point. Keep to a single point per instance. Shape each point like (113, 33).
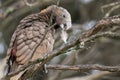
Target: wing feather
(25, 39)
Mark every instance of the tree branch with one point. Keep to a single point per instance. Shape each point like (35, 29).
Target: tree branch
(103, 23)
(111, 10)
(109, 5)
(30, 4)
(85, 67)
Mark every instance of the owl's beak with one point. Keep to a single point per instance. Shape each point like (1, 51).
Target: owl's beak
(65, 27)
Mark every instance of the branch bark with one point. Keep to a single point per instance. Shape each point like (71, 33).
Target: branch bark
(85, 67)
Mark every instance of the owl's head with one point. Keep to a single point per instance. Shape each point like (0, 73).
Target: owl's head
(62, 18)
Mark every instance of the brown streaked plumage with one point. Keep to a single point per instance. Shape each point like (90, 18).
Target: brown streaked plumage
(30, 32)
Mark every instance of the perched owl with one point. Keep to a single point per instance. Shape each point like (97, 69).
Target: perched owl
(30, 32)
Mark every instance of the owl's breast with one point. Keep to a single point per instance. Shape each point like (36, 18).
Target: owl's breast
(45, 47)
(28, 43)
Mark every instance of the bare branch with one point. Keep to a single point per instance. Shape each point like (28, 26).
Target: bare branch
(109, 5)
(30, 4)
(104, 23)
(111, 10)
(85, 67)
(103, 34)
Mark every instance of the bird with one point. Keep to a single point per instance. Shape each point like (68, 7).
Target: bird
(24, 45)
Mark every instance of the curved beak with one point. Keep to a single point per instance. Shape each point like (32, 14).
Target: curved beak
(65, 27)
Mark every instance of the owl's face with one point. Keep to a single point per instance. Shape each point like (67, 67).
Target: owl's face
(63, 21)
(62, 18)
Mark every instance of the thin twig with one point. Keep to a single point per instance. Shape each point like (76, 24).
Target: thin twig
(48, 29)
(29, 4)
(109, 5)
(111, 10)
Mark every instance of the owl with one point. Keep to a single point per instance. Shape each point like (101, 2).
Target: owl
(24, 45)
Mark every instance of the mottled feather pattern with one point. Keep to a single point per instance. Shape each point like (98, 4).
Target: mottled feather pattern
(27, 36)
(30, 32)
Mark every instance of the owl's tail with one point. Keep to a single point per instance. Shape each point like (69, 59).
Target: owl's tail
(40, 74)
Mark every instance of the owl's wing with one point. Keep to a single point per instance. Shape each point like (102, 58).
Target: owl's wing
(24, 40)
(24, 23)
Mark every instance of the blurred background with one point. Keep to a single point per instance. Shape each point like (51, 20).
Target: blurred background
(85, 14)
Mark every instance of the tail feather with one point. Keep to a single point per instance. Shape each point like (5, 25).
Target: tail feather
(40, 74)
